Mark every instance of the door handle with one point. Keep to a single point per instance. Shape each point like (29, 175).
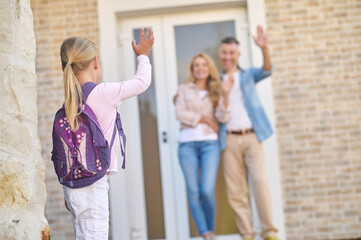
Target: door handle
(137, 234)
(164, 137)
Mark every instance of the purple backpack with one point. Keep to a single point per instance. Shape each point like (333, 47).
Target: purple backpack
(81, 158)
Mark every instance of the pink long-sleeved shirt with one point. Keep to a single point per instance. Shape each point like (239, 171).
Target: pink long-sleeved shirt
(105, 98)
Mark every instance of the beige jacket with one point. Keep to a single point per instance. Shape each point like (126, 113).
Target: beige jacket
(190, 108)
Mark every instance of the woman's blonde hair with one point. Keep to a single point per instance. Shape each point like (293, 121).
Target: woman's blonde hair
(213, 85)
(76, 53)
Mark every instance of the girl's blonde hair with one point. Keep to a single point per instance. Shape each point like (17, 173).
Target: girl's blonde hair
(76, 53)
(214, 87)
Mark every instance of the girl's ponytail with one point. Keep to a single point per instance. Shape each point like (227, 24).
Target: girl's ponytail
(76, 53)
(73, 97)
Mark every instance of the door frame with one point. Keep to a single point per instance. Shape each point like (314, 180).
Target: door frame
(228, 14)
(126, 27)
(113, 66)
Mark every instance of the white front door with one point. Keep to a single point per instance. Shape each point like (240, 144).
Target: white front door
(148, 200)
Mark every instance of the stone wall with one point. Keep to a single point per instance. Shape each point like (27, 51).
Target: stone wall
(316, 50)
(22, 170)
(54, 21)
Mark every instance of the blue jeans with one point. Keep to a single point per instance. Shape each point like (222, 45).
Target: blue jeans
(203, 156)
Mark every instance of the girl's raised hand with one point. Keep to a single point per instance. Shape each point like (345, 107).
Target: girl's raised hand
(145, 43)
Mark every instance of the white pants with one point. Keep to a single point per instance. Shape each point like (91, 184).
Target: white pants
(89, 210)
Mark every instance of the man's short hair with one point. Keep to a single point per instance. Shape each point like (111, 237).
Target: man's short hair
(230, 40)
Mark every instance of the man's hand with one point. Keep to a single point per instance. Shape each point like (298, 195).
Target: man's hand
(228, 84)
(145, 43)
(227, 87)
(261, 40)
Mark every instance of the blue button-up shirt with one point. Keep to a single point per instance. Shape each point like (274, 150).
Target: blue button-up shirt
(261, 124)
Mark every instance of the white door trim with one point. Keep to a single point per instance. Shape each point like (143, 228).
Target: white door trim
(257, 16)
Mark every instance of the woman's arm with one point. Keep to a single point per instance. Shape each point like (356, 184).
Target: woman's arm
(182, 112)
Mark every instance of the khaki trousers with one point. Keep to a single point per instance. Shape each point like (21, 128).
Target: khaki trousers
(244, 155)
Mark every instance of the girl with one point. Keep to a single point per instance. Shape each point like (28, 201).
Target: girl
(81, 73)
(199, 106)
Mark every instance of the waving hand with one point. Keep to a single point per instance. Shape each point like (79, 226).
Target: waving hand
(261, 40)
(145, 43)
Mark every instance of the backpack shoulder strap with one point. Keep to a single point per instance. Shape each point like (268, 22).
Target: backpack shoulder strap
(86, 89)
(118, 126)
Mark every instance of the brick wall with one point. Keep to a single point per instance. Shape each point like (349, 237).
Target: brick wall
(316, 50)
(54, 21)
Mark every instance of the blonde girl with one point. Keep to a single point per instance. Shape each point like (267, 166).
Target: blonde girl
(81, 75)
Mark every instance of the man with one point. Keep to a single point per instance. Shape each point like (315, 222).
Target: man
(241, 138)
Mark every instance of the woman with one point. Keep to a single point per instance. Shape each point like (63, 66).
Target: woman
(199, 105)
